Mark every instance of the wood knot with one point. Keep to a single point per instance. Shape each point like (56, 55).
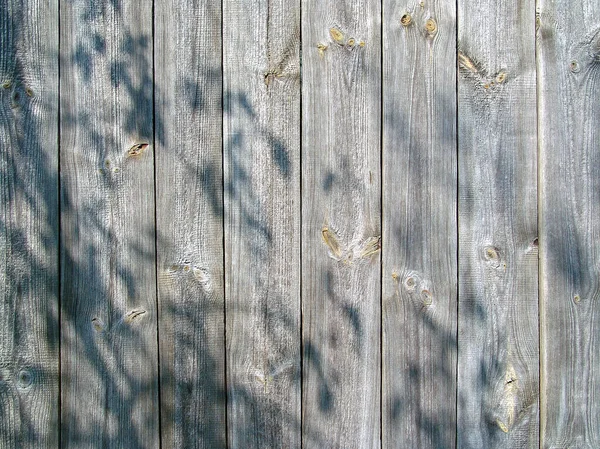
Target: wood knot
(98, 325)
(25, 378)
(574, 66)
(330, 239)
(406, 20)
(337, 35)
(137, 149)
(321, 48)
(431, 26)
(134, 315)
(427, 297)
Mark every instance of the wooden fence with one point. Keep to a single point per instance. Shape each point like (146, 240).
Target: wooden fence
(300, 223)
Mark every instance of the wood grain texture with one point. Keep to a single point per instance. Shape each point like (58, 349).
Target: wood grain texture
(189, 188)
(569, 109)
(420, 229)
(108, 323)
(261, 70)
(341, 119)
(498, 322)
(29, 357)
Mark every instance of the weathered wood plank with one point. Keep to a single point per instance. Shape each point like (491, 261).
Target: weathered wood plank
(341, 193)
(569, 108)
(261, 66)
(498, 302)
(29, 357)
(190, 223)
(420, 229)
(108, 323)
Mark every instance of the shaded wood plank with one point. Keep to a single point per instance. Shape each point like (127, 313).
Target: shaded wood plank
(29, 357)
(569, 108)
(190, 223)
(498, 302)
(261, 70)
(420, 229)
(108, 323)
(341, 294)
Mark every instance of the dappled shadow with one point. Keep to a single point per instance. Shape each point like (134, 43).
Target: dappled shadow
(261, 144)
(109, 359)
(125, 136)
(29, 339)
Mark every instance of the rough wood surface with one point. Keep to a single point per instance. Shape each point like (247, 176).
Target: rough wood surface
(190, 223)
(341, 120)
(569, 108)
(261, 69)
(29, 380)
(108, 323)
(498, 303)
(420, 229)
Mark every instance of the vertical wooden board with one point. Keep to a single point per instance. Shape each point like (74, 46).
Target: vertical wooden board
(569, 108)
(190, 223)
(419, 224)
(261, 69)
(109, 356)
(341, 296)
(29, 380)
(498, 302)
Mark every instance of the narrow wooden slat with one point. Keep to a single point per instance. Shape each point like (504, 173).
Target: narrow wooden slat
(190, 223)
(341, 294)
(420, 229)
(29, 326)
(261, 69)
(108, 325)
(569, 109)
(498, 302)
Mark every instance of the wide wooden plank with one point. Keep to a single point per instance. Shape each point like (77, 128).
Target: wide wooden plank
(341, 219)
(189, 219)
(29, 357)
(420, 229)
(498, 301)
(108, 286)
(261, 70)
(569, 109)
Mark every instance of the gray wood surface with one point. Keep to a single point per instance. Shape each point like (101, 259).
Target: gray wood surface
(108, 323)
(420, 229)
(286, 224)
(497, 151)
(261, 70)
(568, 94)
(29, 380)
(190, 223)
(341, 215)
